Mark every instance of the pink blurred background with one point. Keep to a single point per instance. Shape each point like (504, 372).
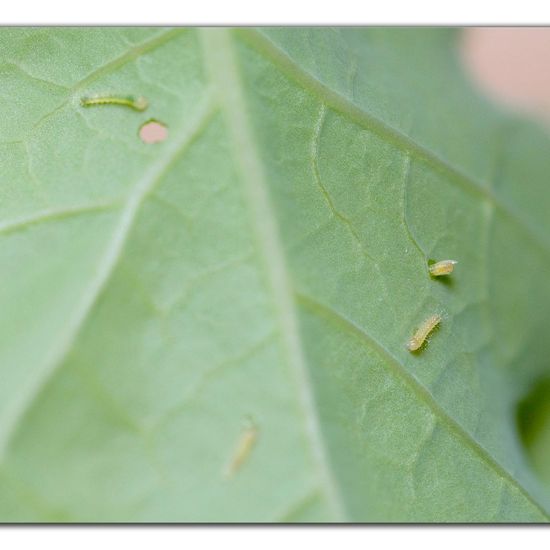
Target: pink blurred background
(512, 66)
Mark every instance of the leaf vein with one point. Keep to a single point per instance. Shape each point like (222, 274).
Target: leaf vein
(58, 354)
(46, 216)
(423, 394)
(356, 114)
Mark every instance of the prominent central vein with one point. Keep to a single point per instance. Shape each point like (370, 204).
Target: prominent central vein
(59, 352)
(224, 71)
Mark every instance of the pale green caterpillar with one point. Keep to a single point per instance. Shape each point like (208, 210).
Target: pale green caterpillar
(419, 337)
(138, 104)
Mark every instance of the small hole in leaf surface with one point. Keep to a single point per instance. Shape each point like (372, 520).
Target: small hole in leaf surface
(153, 131)
(533, 419)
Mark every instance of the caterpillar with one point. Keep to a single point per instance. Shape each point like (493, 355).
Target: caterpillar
(138, 104)
(423, 331)
(444, 267)
(243, 448)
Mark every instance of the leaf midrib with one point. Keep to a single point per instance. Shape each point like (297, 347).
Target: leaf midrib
(224, 70)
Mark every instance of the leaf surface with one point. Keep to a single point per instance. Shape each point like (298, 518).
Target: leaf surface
(265, 266)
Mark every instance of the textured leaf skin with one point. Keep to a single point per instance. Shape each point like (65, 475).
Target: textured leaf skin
(267, 261)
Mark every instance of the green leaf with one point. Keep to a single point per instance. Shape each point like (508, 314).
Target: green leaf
(213, 328)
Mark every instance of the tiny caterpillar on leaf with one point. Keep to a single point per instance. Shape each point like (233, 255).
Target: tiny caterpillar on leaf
(419, 337)
(444, 267)
(138, 104)
(243, 449)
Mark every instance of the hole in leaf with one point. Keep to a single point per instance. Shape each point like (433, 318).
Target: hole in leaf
(153, 131)
(533, 419)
